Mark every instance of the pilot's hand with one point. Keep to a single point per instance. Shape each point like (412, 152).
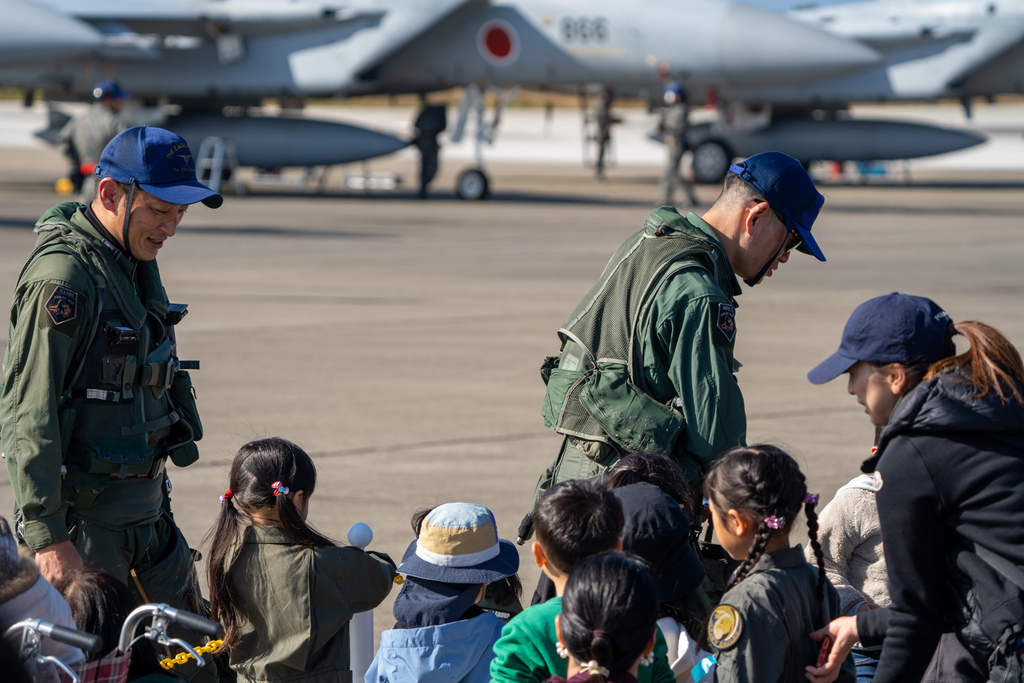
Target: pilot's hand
(57, 560)
(844, 635)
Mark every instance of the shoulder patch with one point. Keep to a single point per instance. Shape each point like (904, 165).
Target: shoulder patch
(724, 627)
(62, 306)
(723, 323)
(878, 480)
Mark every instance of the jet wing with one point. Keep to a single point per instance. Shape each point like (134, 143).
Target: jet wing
(203, 18)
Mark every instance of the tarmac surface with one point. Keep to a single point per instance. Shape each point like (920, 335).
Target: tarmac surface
(398, 340)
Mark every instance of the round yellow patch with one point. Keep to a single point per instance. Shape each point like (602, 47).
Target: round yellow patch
(724, 627)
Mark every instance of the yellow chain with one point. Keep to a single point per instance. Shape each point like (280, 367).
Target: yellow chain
(183, 657)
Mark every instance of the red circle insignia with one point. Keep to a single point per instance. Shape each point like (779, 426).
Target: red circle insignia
(498, 42)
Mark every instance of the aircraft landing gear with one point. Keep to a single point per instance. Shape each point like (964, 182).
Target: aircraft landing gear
(472, 184)
(711, 160)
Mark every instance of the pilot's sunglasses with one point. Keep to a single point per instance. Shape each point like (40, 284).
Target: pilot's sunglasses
(793, 239)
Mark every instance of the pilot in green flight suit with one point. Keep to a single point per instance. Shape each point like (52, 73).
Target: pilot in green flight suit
(95, 400)
(647, 363)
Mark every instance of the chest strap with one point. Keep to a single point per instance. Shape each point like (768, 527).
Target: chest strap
(152, 425)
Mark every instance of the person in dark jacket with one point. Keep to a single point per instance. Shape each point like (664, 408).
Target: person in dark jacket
(949, 475)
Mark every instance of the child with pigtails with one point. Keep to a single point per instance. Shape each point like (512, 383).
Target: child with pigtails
(761, 630)
(285, 593)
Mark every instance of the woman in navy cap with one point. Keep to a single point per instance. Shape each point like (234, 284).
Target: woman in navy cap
(949, 476)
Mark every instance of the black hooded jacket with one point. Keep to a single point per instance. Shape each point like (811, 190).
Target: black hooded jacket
(951, 467)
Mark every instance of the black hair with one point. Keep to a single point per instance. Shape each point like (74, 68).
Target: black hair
(503, 591)
(609, 612)
(100, 604)
(256, 467)
(576, 519)
(660, 470)
(763, 481)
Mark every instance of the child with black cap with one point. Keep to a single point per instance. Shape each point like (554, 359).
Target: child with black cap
(658, 531)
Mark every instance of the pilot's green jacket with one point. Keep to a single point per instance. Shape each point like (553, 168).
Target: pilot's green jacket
(685, 360)
(298, 603)
(62, 407)
(760, 630)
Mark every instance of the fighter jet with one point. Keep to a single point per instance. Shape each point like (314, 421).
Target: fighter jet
(208, 55)
(930, 49)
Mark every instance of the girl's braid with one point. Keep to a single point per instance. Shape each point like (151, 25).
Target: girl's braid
(764, 534)
(812, 532)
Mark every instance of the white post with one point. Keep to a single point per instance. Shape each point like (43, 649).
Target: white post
(360, 632)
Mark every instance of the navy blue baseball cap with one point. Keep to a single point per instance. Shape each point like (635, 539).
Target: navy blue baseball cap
(160, 162)
(895, 328)
(109, 88)
(784, 183)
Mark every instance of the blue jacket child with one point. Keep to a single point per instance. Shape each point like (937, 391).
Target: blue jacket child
(441, 634)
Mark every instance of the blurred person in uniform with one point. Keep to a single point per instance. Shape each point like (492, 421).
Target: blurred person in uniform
(430, 123)
(675, 122)
(604, 120)
(95, 400)
(646, 362)
(85, 135)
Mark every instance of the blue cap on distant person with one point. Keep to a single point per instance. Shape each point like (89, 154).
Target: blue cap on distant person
(160, 162)
(895, 328)
(785, 185)
(109, 88)
(674, 92)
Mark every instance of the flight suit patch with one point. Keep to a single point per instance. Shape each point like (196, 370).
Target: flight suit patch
(724, 627)
(723, 324)
(62, 308)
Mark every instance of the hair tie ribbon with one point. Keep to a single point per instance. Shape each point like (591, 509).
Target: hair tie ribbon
(811, 499)
(593, 667)
(280, 489)
(227, 496)
(774, 522)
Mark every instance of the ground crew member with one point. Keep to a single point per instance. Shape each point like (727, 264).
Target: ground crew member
(647, 357)
(431, 122)
(604, 120)
(95, 400)
(675, 123)
(85, 135)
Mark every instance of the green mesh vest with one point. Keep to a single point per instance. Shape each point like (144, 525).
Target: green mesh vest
(594, 387)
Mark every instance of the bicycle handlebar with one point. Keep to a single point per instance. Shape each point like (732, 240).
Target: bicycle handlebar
(86, 642)
(195, 622)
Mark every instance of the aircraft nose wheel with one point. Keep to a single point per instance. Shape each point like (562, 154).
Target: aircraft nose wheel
(472, 184)
(711, 161)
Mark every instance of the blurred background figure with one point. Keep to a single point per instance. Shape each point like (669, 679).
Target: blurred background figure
(675, 120)
(430, 123)
(603, 120)
(85, 135)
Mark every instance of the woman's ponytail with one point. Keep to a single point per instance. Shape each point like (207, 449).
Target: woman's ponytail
(992, 363)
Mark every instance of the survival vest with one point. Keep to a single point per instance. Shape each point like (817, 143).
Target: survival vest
(128, 403)
(594, 387)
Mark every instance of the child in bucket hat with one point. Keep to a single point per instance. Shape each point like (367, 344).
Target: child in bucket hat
(441, 632)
